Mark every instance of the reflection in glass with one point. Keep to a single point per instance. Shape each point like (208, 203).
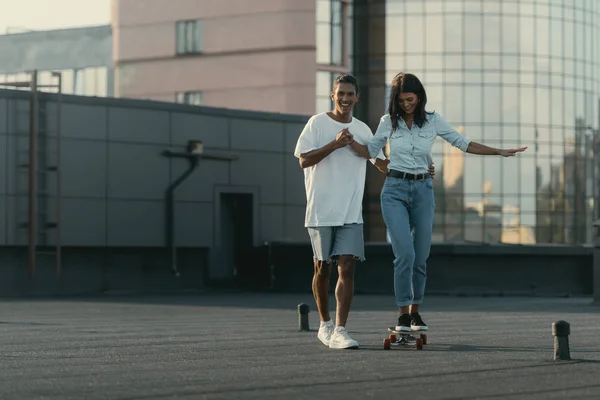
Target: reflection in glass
(473, 97)
(453, 32)
(529, 77)
(491, 105)
(510, 104)
(542, 106)
(435, 33)
(324, 43)
(528, 173)
(394, 34)
(473, 40)
(453, 101)
(510, 177)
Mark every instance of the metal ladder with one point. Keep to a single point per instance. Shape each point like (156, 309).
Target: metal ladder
(40, 163)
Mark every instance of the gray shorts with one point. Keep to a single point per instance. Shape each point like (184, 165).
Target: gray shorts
(331, 241)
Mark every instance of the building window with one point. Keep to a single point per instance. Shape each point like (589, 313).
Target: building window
(331, 32)
(324, 85)
(189, 37)
(192, 98)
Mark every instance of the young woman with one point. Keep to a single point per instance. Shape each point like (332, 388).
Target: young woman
(407, 195)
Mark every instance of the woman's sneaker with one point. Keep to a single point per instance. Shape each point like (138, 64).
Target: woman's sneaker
(417, 323)
(404, 322)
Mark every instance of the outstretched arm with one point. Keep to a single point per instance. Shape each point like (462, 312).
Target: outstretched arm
(449, 134)
(483, 150)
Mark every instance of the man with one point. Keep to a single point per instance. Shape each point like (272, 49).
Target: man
(334, 178)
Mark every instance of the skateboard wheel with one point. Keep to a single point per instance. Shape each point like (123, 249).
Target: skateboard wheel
(419, 344)
(424, 338)
(393, 338)
(386, 344)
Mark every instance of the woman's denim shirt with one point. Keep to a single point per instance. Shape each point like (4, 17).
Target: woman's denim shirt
(410, 149)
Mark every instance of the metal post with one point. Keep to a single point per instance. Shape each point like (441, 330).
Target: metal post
(32, 194)
(303, 310)
(596, 264)
(561, 331)
(58, 176)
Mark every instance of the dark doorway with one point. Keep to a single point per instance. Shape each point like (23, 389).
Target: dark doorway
(237, 235)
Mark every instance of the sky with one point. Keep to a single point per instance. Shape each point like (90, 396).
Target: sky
(21, 15)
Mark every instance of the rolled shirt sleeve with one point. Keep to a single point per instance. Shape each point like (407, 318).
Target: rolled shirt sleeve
(449, 134)
(380, 137)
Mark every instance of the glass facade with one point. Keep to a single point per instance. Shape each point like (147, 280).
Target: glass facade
(333, 27)
(506, 74)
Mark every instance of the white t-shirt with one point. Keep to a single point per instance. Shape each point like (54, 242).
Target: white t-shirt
(335, 185)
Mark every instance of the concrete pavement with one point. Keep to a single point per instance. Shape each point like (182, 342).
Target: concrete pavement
(246, 346)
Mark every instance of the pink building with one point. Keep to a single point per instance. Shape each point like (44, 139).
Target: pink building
(257, 55)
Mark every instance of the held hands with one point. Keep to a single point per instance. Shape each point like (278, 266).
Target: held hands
(431, 170)
(343, 139)
(511, 152)
(382, 165)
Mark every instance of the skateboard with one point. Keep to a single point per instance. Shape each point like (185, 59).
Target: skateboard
(419, 339)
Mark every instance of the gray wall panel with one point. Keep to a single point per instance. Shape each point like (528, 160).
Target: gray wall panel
(83, 222)
(263, 170)
(114, 175)
(16, 211)
(18, 117)
(3, 224)
(199, 186)
(137, 171)
(248, 134)
(294, 223)
(140, 126)
(272, 223)
(17, 177)
(294, 182)
(3, 115)
(194, 224)
(3, 163)
(83, 167)
(292, 132)
(135, 223)
(212, 131)
(77, 121)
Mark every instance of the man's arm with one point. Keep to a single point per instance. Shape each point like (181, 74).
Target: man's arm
(313, 157)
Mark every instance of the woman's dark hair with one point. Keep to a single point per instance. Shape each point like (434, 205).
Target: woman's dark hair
(407, 83)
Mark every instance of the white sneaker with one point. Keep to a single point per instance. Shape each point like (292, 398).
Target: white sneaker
(341, 340)
(325, 332)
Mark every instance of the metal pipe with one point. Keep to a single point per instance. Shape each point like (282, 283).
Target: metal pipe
(58, 177)
(32, 194)
(193, 155)
(170, 210)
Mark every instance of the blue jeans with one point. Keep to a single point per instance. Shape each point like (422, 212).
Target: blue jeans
(407, 207)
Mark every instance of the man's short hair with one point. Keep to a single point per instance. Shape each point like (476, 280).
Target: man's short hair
(346, 78)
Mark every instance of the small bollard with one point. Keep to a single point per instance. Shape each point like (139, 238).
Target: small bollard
(561, 331)
(303, 311)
